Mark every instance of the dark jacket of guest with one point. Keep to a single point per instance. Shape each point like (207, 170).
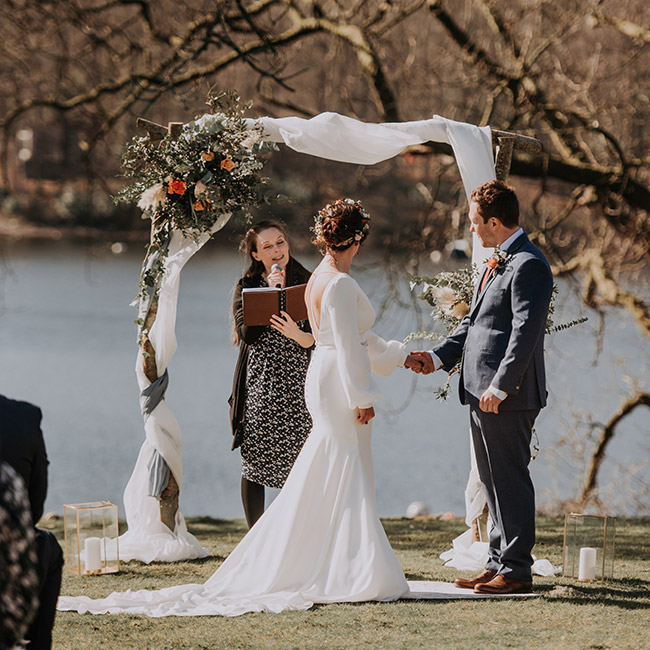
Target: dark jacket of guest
(23, 448)
(296, 273)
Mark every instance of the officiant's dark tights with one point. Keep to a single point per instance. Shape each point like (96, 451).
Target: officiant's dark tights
(252, 496)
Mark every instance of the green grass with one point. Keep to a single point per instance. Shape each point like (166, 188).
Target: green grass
(595, 616)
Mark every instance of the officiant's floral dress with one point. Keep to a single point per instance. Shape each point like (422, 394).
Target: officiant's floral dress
(269, 417)
(277, 421)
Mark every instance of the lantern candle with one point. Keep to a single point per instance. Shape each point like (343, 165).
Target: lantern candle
(587, 566)
(92, 549)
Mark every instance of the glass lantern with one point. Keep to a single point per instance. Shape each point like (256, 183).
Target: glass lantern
(91, 532)
(589, 547)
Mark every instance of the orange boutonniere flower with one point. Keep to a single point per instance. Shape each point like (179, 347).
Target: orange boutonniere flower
(228, 164)
(176, 186)
(497, 260)
(207, 156)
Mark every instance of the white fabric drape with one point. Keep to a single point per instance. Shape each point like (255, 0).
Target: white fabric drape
(147, 538)
(328, 135)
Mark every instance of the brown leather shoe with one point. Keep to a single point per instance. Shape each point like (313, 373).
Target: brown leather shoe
(501, 585)
(486, 576)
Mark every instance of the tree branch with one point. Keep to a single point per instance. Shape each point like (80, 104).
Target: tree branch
(590, 485)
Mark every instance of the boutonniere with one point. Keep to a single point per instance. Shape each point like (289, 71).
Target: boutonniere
(497, 260)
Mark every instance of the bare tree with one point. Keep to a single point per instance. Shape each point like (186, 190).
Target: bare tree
(573, 74)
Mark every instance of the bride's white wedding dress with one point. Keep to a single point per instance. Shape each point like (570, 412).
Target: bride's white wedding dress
(321, 540)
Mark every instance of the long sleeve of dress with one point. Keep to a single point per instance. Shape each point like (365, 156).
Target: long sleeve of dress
(384, 355)
(354, 362)
(358, 354)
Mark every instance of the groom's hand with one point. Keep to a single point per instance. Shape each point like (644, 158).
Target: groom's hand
(489, 402)
(420, 362)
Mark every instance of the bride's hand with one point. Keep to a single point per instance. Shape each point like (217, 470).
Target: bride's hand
(365, 415)
(287, 326)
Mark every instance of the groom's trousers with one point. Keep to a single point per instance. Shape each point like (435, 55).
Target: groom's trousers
(502, 447)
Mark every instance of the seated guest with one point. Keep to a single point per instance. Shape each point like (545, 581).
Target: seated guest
(22, 446)
(18, 578)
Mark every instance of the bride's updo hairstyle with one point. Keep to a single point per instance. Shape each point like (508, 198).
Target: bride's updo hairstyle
(340, 224)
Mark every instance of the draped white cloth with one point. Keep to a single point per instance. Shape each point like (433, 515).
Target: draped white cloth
(328, 135)
(147, 538)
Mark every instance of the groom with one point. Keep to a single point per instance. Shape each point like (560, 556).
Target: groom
(500, 344)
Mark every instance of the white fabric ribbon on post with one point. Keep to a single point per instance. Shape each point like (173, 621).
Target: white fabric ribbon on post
(328, 135)
(147, 538)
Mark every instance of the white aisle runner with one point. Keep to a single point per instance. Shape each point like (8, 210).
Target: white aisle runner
(429, 590)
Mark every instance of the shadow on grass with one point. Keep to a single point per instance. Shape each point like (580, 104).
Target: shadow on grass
(621, 603)
(217, 526)
(625, 593)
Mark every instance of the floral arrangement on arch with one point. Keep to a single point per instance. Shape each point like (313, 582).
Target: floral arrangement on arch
(187, 181)
(212, 167)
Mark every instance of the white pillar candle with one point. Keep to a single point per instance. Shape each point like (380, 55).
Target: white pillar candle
(93, 554)
(587, 566)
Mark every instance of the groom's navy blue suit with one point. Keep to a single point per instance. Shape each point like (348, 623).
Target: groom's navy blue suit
(501, 344)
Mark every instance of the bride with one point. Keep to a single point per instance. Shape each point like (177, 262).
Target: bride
(321, 540)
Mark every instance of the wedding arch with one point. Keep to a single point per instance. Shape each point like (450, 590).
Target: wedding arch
(156, 527)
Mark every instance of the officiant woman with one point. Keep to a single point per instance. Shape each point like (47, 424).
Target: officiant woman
(270, 421)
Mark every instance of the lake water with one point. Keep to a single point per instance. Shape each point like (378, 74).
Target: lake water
(67, 343)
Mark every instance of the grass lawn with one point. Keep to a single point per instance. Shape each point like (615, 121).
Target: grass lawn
(613, 615)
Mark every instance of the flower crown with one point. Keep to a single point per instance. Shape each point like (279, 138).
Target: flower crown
(359, 233)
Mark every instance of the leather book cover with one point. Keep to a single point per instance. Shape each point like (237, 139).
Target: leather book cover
(261, 303)
(294, 300)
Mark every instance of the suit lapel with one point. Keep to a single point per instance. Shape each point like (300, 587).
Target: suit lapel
(478, 293)
(477, 290)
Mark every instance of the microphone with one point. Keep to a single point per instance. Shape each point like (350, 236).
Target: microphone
(277, 267)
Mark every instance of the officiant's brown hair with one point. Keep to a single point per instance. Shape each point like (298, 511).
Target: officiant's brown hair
(497, 199)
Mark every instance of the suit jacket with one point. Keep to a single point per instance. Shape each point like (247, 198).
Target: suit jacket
(501, 339)
(248, 335)
(23, 447)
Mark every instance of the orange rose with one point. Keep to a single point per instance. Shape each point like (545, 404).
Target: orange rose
(492, 263)
(198, 206)
(228, 164)
(207, 156)
(176, 186)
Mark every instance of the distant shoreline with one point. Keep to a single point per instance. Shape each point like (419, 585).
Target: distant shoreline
(16, 228)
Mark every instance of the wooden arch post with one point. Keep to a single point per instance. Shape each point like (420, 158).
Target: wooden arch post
(170, 494)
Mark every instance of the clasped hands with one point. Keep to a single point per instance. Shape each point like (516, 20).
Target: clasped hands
(420, 362)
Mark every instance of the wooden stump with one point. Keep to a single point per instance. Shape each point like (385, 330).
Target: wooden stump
(479, 527)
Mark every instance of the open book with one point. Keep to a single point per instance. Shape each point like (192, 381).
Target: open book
(261, 303)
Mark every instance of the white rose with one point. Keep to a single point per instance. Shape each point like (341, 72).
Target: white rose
(153, 197)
